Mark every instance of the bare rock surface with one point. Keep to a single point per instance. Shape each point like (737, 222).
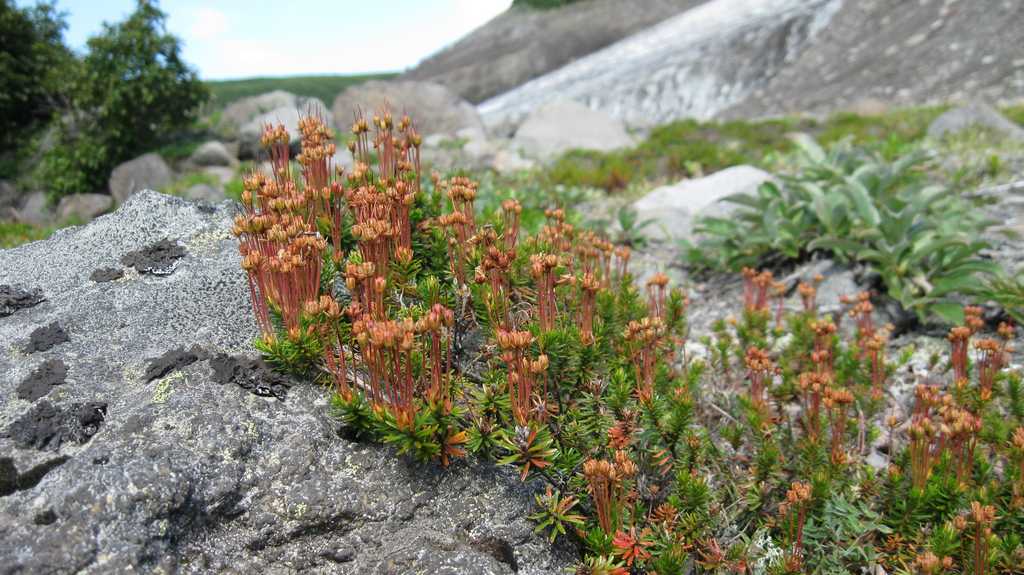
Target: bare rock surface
(901, 53)
(975, 115)
(523, 43)
(104, 470)
(694, 64)
(675, 208)
(562, 125)
(433, 107)
(213, 153)
(148, 171)
(83, 206)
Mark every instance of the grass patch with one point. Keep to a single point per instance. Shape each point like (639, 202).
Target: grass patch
(325, 88)
(689, 148)
(14, 234)
(181, 185)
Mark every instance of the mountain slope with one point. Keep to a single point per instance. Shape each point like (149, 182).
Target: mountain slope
(524, 43)
(902, 52)
(695, 64)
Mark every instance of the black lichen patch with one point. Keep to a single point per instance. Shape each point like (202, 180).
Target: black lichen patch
(46, 337)
(254, 375)
(11, 481)
(46, 427)
(47, 517)
(48, 375)
(174, 359)
(101, 275)
(157, 259)
(13, 299)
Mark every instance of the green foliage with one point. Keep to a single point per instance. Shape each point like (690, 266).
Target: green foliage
(854, 205)
(325, 88)
(33, 65)
(15, 233)
(130, 67)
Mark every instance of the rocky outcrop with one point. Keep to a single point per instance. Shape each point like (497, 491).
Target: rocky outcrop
(148, 171)
(523, 43)
(695, 64)
(562, 125)
(83, 207)
(242, 111)
(672, 210)
(249, 134)
(213, 153)
(976, 115)
(435, 108)
(158, 443)
(901, 53)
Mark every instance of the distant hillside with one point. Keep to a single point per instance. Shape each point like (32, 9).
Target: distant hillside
(525, 42)
(323, 87)
(752, 58)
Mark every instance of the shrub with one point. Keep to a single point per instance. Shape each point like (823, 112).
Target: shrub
(129, 92)
(748, 458)
(922, 240)
(33, 67)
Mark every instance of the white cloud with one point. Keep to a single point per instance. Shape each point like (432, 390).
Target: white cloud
(208, 24)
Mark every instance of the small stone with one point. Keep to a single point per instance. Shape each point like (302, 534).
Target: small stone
(47, 337)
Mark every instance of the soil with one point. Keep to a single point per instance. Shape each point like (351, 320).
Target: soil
(45, 338)
(157, 259)
(101, 275)
(48, 375)
(174, 359)
(13, 299)
(254, 375)
(46, 427)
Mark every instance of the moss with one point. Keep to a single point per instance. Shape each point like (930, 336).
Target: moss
(14, 234)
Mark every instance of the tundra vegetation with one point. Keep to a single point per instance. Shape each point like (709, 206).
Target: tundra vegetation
(441, 324)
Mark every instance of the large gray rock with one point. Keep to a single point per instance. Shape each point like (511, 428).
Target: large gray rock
(562, 125)
(250, 133)
(182, 474)
(213, 153)
(675, 208)
(9, 197)
(241, 112)
(148, 171)
(973, 116)
(433, 107)
(35, 209)
(83, 207)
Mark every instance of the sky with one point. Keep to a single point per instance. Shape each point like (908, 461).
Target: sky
(226, 39)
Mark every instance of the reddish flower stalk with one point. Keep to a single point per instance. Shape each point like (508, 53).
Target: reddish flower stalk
(794, 509)
(657, 291)
(604, 486)
(875, 347)
(386, 347)
(759, 372)
(959, 340)
(808, 296)
(494, 272)
(779, 293)
(542, 268)
(862, 312)
(527, 379)
(836, 402)
(589, 287)
(960, 431)
(511, 211)
(755, 289)
(438, 358)
(983, 516)
(824, 333)
(644, 339)
(813, 386)
(622, 255)
(990, 363)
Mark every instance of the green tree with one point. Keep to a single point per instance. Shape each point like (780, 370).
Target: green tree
(33, 64)
(130, 92)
